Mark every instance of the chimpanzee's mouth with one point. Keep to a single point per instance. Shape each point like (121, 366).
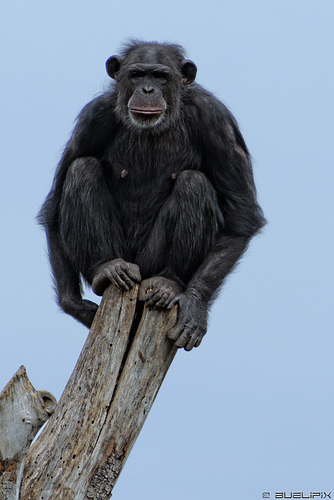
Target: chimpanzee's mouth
(148, 111)
(147, 117)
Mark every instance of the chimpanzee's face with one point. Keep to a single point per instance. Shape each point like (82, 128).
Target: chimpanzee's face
(149, 86)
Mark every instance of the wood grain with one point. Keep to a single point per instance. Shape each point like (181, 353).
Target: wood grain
(83, 448)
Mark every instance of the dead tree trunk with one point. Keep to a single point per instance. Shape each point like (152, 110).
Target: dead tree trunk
(23, 411)
(84, 446)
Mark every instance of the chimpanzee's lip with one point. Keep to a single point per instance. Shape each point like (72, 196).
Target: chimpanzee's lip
(148, 111)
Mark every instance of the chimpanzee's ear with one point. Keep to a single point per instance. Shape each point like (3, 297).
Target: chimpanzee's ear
(188, 71)
(113, 65)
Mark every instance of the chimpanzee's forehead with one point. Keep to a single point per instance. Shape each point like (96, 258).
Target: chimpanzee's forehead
(147, 67)
(154, 54)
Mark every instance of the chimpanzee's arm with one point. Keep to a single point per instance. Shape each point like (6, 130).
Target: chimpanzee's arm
(227, 164)
(202, 290)
(87, 139)
(67, 283)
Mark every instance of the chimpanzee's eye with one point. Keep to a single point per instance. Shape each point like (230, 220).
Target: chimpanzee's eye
(137, 75)
(161, 78)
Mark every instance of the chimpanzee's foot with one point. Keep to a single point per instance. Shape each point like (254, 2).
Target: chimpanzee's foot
(158, 291)
(118, 272)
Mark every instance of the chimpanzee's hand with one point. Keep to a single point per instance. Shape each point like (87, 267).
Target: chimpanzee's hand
(192, 322)
(118, 272)
(158, 291)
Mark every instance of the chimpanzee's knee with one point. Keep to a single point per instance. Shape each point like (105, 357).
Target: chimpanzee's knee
(84, 191)
(196, 196)
(86, 216)
(192, 182)
(83, 172)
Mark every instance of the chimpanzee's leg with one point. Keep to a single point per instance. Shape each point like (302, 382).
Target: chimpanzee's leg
(89, 225)
(83, 232)
(184, 232)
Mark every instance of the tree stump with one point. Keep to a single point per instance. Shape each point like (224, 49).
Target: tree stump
(23, 411)
(84, 446)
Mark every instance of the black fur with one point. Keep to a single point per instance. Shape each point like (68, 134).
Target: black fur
(155, 186)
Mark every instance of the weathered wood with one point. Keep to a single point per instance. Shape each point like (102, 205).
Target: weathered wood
(23, 411)
(150, 356)
(60, 459)
(81, 451)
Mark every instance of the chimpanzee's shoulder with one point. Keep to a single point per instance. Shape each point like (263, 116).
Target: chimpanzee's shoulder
(207, 108)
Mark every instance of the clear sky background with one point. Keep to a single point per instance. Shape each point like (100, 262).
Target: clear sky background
(251, 410)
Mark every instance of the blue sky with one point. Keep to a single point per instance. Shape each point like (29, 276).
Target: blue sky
(251, 410)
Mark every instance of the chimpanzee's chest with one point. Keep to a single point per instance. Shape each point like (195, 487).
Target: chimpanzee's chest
(141, 176)
(148, 158)
(140, 188)
(143, 167)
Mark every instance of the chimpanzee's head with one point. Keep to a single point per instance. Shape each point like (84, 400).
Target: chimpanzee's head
(151, 79)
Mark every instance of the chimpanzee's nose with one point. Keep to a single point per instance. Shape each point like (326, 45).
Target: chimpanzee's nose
(148, 89)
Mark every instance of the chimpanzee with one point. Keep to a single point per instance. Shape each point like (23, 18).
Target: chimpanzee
(155, 187)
